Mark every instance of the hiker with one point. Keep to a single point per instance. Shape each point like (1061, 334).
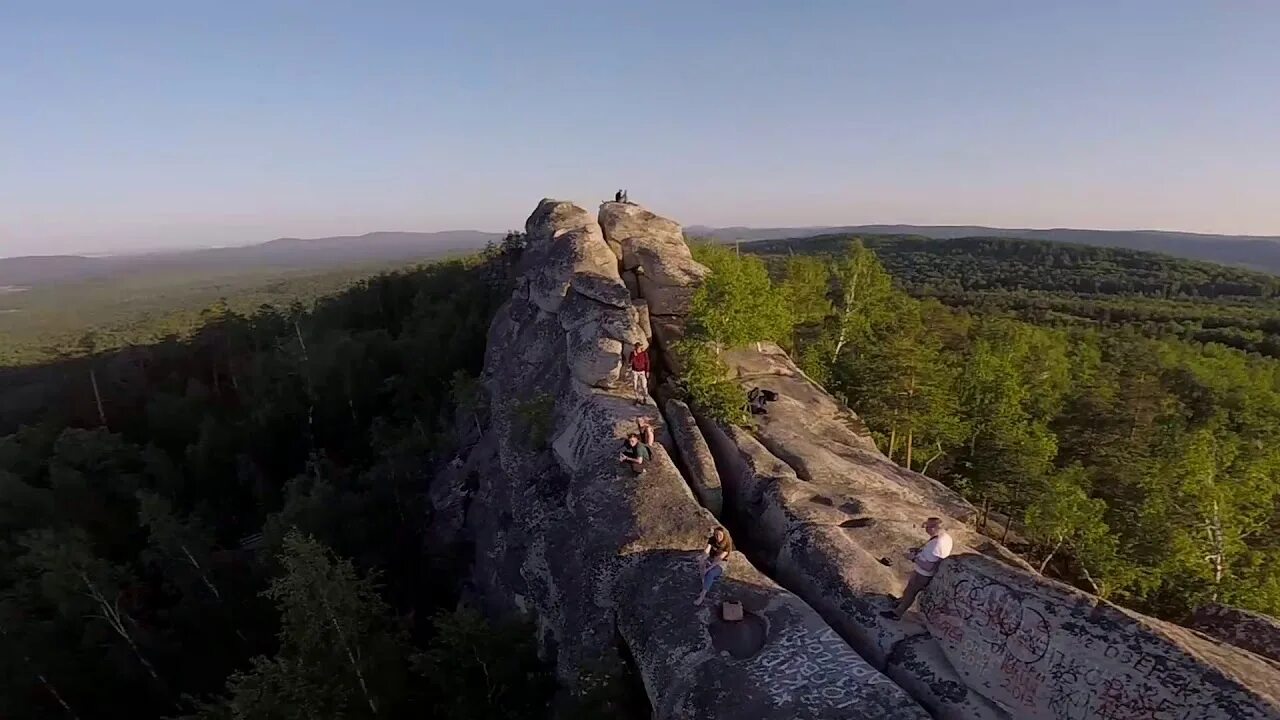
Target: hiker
(712, 561)
(624, 197)
(617, 197)
(757, 398)
(926, 559)
(637, 451)
(639, 363)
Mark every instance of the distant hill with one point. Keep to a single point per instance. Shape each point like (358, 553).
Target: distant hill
(1257, 252)
(282, 254)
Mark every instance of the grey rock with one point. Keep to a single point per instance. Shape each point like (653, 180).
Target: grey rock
(566, 535)
(695, 456)
(1252, 631)
(1046, 650)
(653, 249)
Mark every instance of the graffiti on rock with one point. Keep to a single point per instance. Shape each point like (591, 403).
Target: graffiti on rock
(1001, 639)
(816, 667)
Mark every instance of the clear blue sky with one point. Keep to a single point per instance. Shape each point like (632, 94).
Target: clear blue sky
(127, 125)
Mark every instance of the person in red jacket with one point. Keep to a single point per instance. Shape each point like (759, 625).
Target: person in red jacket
(639, 363)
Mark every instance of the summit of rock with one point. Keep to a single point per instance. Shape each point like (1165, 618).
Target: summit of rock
(604, 561)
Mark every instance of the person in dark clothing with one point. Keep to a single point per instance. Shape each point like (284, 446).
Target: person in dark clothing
(640, 373)
(617, 197)
(712, 561)
(624, 197)
(637, 451)
(757, 398)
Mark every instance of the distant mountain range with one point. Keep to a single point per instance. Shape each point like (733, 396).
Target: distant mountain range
(1252, 251)
(1259, 253)
(283, 254)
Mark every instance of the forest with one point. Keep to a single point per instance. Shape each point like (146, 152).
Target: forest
(232, 524)
(1139, 463)
(1060, 284)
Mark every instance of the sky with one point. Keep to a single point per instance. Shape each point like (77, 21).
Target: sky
(130, 125)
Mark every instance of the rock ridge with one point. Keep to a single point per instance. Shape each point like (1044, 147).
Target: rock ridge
(604, 561)
(827, 515)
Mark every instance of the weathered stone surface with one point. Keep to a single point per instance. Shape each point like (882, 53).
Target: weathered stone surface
(653, 249)
(1046, 650)
(1252, 631)
(695, 456)
(565, 534)
(642, 319)
(595, 555)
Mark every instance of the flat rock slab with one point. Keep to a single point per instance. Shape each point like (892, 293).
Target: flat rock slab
(1048, 651)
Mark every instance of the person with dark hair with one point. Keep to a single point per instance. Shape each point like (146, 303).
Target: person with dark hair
(926, 559)
(617, 197)
(637, 450)
(639, 363)
(712, 561)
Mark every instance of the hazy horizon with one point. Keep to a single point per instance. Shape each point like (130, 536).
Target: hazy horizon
(146, 126)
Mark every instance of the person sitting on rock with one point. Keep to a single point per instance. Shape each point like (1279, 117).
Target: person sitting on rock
(926, 559)
(757, 398)
(712, 560)
(617, 197)
(637, 451)
(639, 363)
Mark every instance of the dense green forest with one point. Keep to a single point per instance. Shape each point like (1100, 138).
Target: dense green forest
(44, 322)
(231, 525)
(1060, 284)
(230, 522)
(1137, 462)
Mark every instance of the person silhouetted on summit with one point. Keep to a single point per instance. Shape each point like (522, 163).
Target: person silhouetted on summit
(617, 197)
(624, 197)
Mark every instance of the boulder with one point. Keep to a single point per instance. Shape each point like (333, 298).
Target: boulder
(1252, 631)
(653, 249)
(597, 556)
(1046, 650)
(695, 456)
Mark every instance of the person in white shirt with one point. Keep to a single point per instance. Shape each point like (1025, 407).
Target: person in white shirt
(926, 559)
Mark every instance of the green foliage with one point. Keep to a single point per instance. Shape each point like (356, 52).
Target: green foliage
(535, 416)
(704, 382)
(476, 672)
(738, 304)
(124, 583)
(340, 653)
(1068, 387)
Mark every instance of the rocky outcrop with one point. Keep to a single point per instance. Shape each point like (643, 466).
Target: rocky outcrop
(1252, 631)
(652, 250)
(1045, 650)
(604, 561)
(823, 512)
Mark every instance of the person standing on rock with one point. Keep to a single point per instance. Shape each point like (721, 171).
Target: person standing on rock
(639, 363)
(617, 197)
(926, 559)
(637, 451)
(712, 560)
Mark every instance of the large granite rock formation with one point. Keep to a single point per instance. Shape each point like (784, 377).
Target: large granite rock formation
(604, 561)
(822, 511)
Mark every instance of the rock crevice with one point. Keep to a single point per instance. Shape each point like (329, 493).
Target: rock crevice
(823, 512)
(595, 555)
